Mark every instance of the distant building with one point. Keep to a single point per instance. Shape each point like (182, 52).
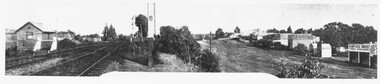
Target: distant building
(31, 37)
(306, 39)
(282, 38)
(65, 35)
(292, 40)
(91, 38)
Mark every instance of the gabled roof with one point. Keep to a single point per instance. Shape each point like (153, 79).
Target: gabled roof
(35, 24)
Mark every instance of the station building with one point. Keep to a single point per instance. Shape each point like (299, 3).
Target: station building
(363, 54)
(30, 36)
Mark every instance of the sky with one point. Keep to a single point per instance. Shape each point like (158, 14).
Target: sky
(89, 17)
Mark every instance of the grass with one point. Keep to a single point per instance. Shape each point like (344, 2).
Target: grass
(172, 64)
(237, 57)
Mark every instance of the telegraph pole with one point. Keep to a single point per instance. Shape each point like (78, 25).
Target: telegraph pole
(154, 14)
(210, 40)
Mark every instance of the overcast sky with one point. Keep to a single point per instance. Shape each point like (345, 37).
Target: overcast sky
(88, 17)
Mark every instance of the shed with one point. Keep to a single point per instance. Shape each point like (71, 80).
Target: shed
(326, 50)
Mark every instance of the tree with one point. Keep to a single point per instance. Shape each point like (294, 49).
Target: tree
(105, 33)
(283, 31)
(300, 31)
(301, 48)
(274, 30)
(109, 33)
(141, 22)
(237, 29)
(112, 33)
(219, 33)
(78, 37)
(122, 37)
(309, 31)
(289, 30)
(182, 43)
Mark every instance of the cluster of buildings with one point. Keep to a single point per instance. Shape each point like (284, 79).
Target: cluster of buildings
(310, 41)
(31, 36)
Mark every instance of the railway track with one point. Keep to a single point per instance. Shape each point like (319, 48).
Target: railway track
(78, 66)
(27, 61)
(55, 52)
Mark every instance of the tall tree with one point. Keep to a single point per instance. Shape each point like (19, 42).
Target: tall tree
(289, 30)
(141, 22)
(105, 33)
(112, 33)
(237, 29)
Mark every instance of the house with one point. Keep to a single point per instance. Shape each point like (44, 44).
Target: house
(282, 38)
(91, 38)
(306, 39)
(30, 36)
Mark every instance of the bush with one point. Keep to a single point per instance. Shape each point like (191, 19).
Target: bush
(176, 41)
(182, 43)
(65, 43)
(278, 45)
(301, 48)
(208, 61)
(310, 68)
(263, 43)
(11, 51)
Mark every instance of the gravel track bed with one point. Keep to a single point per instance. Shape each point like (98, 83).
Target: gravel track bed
(37, 65)
(75, 67)
(28, 61)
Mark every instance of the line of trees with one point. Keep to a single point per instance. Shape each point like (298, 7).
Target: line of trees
(274, 30)
(338, 34)
(109, 33)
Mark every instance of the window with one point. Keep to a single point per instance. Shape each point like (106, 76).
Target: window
(29, 27)
(29, 35)
(48, 36)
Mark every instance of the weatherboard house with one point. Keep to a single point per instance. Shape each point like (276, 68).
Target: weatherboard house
(31, 37)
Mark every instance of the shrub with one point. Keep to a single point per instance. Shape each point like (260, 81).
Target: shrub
(65, 43)
(208, 61)
(278, 45)
(11, 51)
(182, 43)
(263, 43)
(310, 68)
(301, 48)
(176, 41)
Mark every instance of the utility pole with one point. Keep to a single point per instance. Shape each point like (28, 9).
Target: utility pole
(154, 15)
(210, 40)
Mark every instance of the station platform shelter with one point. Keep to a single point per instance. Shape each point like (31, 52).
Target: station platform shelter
(365, 54)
